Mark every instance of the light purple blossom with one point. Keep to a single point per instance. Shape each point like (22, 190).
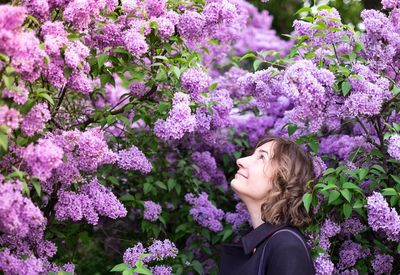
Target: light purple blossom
(238, 218)
(10, 117)
(382, 264)
(319, 166)
(160, 250)
(18, 215)
(19, 94)
(191, 26)
(350, 252)
(35, 120)
(204, 212)
(161, 270)
(135, 43)
(382, 217)
(179, 121)
(328, 230)
(152, 211)
(131, 255)
(323, 265)
(42, 158)
(133, 159)
(195, 81)
(394, 146)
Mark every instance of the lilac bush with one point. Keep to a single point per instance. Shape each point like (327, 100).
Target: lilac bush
(108, 108)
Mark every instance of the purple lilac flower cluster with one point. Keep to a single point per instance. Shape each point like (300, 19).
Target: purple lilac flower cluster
(92, 200)
(179, 121)
(383, 218)
(19, 94)
(368, 92)
(158, 251)
(394, 146)
(207, 169)
(342, 145)
(352, 226)
(382, 263)
(238, 218)
(328, 230)
(132, 254)
(263, 85)
(195, 81)
(18, 215)
(323, 265)
(350, 253)
(152, 211)
(42, 158)
(35, 120)
(310, 89)
(204, 212)
(10, 117)
(23, 48)
(133, 159)
(319, 166)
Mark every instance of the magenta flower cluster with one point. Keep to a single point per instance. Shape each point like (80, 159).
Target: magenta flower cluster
(152, 211)
(204, 212)
(383, 218)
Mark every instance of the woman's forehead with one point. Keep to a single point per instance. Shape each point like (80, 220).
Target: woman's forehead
(266, 147)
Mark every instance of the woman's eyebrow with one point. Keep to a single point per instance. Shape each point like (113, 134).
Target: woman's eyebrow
(263, 151)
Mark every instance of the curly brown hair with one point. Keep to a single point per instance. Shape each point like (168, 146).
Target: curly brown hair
(292, 170)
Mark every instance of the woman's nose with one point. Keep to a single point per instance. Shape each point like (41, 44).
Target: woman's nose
(239, 163)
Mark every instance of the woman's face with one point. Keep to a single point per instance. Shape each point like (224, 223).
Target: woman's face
(252, 180)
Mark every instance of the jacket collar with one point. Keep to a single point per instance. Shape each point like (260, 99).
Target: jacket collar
(258, 235)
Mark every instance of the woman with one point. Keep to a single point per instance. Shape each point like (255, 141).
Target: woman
(271, 182)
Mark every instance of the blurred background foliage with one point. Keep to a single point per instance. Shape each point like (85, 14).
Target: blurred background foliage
(284, 10)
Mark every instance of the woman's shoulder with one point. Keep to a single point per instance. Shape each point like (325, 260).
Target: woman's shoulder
(288, 237)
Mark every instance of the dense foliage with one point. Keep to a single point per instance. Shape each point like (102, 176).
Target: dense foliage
(120, 123)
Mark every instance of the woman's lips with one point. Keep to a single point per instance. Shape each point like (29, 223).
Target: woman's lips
(238, 173)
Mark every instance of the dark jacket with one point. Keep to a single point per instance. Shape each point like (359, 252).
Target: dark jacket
(260, 253)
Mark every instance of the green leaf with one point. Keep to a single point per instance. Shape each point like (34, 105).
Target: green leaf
(395, 90)
(119, 267)
(347, 209)
(362, 173)
(4, 141)
(256, 64)
(394, 200)
(142, 270)
(171, 184)
(389, 192)
(304, 9)
(127, 197)
(346, 194)
(47, 97)
(378, 167)
(128, 271)
(396, 178)
(358, 204)
(197, 267)
(345, 88)
(213, 86)
(161, 57)
(227, 234)
(107, 78)
(38, 187)
(248, 55)
(350, 185)
(176, 71)
(101, 59)
(307, 199)
(161, 185)
(333, 196)
(292, 129)
(329, 171)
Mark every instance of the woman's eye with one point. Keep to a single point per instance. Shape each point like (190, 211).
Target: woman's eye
(261, 157)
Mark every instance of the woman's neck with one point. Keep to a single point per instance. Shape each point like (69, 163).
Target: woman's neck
(255, 213)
